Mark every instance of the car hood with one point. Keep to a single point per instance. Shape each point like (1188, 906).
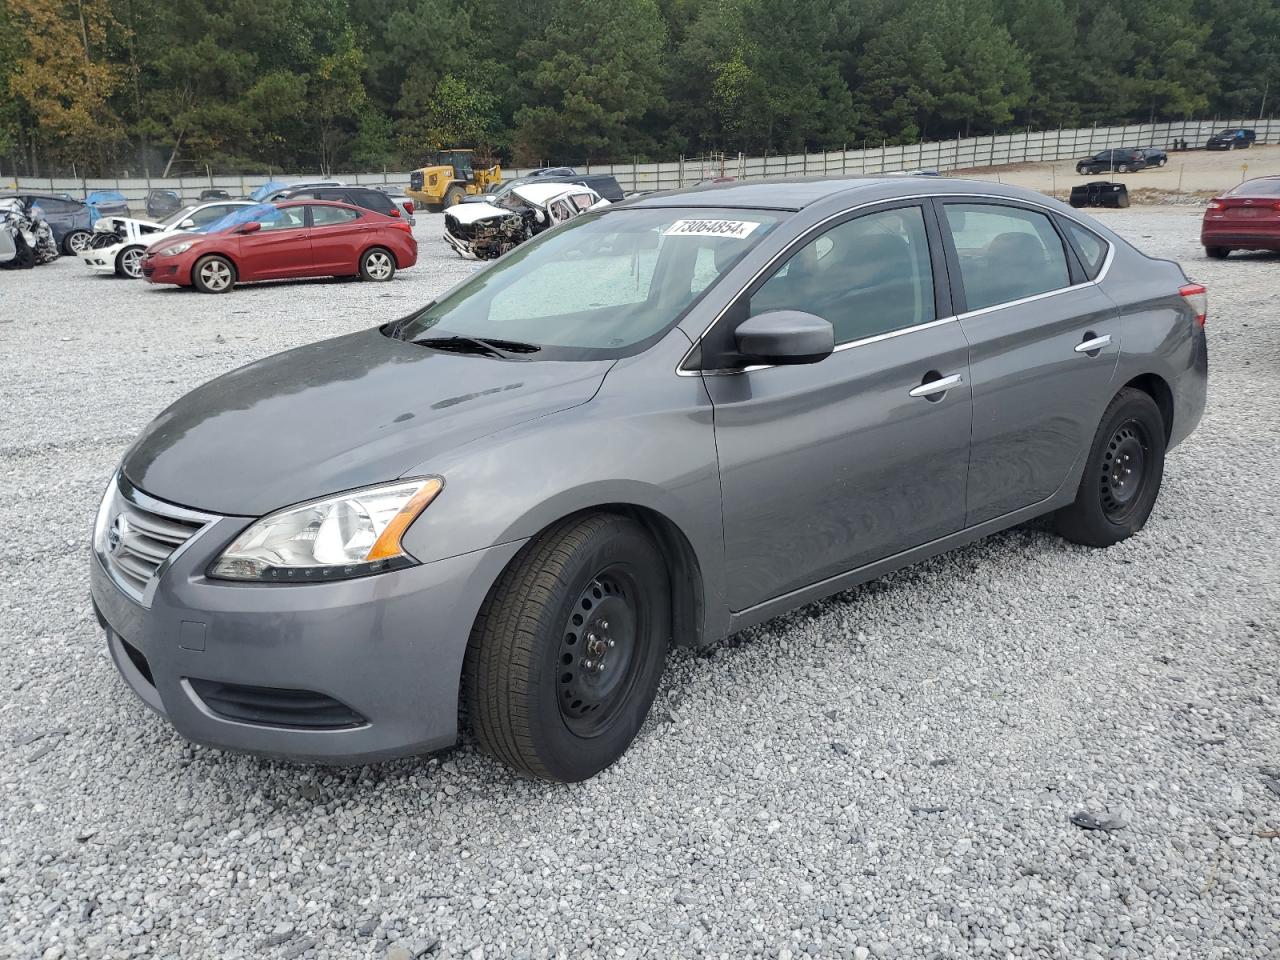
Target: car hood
(471, 212)
(339, 414)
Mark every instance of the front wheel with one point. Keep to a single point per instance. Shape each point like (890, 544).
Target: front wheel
(213, 274)
(1083, 171)
(129, 262)
(1122, 476)
(377, 265)
(454, 195)
(567, 651)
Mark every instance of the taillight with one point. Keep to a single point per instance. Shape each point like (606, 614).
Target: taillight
(408, 206)
(395, 212)
(1197, 297)
(404, 225)
(1217, 205)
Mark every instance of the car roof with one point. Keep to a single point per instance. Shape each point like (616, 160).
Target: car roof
(305, 201)
(798, 193)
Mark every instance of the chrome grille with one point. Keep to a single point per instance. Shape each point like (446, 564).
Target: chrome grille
(138, 535)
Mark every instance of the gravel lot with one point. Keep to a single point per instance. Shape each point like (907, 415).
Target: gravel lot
(890, 773)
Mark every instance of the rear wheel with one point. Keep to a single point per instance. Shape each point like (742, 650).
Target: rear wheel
(1217, 253)
(1122, 168)
(129, 262)
(378, 265)
(1122, 476)
(76, 242)
(566, 654)
(1162, 161)
(213, 274)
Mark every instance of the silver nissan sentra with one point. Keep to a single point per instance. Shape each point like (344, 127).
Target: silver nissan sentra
(656, 424)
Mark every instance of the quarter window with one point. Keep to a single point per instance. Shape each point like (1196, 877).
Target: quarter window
(866, 276)
(1006, 253)
(1091, 247)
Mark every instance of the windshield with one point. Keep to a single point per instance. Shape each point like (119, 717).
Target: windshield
(261, 212)
(600, 284)
(174, 219)
(269, 187)
(1268, 187)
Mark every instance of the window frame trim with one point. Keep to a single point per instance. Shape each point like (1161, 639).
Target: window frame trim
(694, 353)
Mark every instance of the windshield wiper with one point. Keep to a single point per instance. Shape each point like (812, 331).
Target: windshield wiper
(484, 346)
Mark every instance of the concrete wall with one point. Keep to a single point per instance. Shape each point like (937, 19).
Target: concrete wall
(943, 155)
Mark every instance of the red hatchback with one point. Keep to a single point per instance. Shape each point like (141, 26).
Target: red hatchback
(1246, 217)
(277, 241)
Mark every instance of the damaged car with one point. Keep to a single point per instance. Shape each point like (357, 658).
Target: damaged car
(485, 231)
(119, 242)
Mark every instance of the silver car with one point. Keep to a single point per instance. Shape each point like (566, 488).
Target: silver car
(657, 423)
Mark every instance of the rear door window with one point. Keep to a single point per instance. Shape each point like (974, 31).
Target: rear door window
(331, 216)
(1006, 253)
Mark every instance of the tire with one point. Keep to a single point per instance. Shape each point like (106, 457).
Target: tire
(545, 695)
(1122, 201)
(129, 262)
(1122, 168)
(377, 265)
(1111, 505)
(1162, 161)
(1231, 146)
(1217, 253)
(453, 195)
(1083, 171)
(213, 274)
(76, 242)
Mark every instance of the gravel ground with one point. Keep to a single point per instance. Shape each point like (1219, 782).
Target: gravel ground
(890, 773)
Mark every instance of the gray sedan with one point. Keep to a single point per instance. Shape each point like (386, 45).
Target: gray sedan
(656, 424)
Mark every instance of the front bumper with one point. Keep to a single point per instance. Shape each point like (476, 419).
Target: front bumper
(388, 647)
(102, 260)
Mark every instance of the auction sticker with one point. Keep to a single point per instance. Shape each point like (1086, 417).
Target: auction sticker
(711, 228)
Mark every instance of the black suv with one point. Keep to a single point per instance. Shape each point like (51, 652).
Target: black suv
(1237, 138)
(1121, 160)
(366, 197)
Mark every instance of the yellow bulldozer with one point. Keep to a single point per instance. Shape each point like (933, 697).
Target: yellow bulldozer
(448, 177)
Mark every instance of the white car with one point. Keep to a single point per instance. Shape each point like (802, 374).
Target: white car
(119, 242)
(483, 231)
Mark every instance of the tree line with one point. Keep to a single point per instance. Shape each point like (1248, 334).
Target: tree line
(341, 85)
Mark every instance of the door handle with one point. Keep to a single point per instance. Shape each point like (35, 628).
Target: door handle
(1094, 345)
(934, 387)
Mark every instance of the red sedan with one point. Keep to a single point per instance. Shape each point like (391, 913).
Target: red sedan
(1246, 217)
(276, 241)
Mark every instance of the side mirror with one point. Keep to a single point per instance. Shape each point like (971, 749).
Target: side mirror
(253, 226)
(783, 337)
(186, 224)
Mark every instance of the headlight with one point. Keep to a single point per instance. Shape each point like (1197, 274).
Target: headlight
(351, 535)
(176, 249)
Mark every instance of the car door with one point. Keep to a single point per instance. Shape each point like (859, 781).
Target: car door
(1044, 346)
(336, 234)
(280, 248)
(830, 466)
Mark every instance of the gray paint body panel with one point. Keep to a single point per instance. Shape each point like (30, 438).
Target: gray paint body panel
(782, 484)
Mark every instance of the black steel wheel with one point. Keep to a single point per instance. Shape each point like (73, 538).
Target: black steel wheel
(1217, 253)
(1122, 476)
(567, 651)
(598, 651)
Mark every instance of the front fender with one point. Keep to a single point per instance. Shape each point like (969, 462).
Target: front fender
(644, 441)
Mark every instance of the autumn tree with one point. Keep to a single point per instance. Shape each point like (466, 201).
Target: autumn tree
(65, 75)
